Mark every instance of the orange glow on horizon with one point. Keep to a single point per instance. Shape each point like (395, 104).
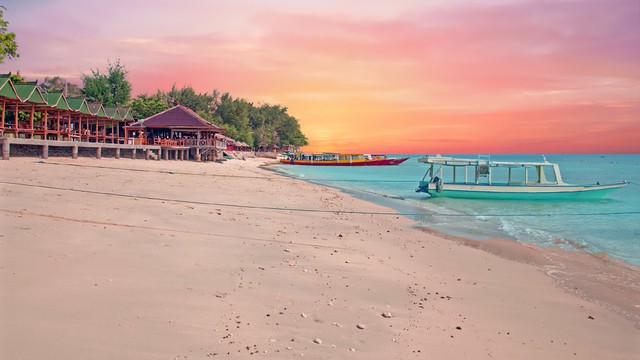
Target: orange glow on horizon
(404, 77)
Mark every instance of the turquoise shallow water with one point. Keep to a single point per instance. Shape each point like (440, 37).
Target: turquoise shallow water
(609, 225)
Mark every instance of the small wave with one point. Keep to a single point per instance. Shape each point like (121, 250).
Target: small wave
(524, 233)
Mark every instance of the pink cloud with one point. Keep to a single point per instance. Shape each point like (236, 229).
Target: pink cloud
(534, 66)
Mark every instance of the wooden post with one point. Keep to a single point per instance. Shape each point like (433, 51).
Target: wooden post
(117, 153)
(198, 154)
(58, 125)
(33, 109)
(4, 105)
(99, 152)
(45, 125)
(74, 151)
(5, 149)
(166, 154)
(147, 154)
(133, 153)
(45, 151)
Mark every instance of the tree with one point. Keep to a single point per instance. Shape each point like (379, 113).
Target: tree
(58, 84)
(234, 115)
(186, 96)
(16, 78)
(8, 46)
(262, 126)
(144, 106)
(273, 126)
(110, 89)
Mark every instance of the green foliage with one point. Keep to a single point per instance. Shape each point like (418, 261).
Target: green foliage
(273, 126)
(8, 45)
(110, 89)
(17, 79)
(262, 126)
(144, 106)
(234, 114)
(186, 96)
(58, 84)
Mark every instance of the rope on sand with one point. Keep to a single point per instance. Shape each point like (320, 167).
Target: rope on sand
(275, 208)
(222, 175)
(181, 231)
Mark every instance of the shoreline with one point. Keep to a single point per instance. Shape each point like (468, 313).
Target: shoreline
(193, 260)
(584, 274)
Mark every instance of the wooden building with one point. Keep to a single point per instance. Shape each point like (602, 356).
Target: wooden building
(30, 116)
(178, 129)
(29, 113)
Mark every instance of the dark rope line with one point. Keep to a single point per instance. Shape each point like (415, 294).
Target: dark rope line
(97, 222)
(157, 171)
(229, 176)
(273, 208)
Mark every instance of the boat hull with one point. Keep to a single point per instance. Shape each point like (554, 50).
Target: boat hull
(373, 162)
(511, 192)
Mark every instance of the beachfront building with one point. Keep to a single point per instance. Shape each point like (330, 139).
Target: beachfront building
(31, 118)
(180, 132)
(235, 145)
(29, 113)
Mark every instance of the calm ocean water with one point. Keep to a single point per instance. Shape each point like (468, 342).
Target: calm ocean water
(610, 225)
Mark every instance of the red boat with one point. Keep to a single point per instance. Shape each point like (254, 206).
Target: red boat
(338, 159)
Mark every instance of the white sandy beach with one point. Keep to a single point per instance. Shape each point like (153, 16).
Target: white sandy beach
(134, 259)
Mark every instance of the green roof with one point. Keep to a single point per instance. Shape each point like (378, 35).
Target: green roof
(125, 113)
(96, 109)
(7, 90)
(56, 100)
(112, 113)
(79, 104)
(29, 93)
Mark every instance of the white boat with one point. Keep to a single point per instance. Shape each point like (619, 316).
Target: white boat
(483, 178)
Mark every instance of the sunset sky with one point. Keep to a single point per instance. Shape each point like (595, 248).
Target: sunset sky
(404, 76)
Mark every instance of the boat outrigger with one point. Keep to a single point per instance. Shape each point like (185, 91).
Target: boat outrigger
(337, 159)
(476, 179)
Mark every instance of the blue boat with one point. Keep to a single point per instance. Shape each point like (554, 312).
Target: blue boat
(483, 178)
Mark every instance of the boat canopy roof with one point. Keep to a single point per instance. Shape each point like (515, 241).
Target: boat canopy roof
(451, 161)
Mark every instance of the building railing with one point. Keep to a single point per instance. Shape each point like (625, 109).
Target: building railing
(179, 142)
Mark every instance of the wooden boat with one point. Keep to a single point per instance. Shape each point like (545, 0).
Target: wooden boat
(338, 159)
(483, 178)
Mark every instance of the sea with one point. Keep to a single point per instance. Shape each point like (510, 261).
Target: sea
(610, 225)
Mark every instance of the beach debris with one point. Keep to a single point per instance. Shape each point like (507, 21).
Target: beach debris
(287, 250)
(352, 349)
(590, 317)
(458, 327)
(336, 324)
(303, 315)
(317, 341)
(361, 326)
(387, 315)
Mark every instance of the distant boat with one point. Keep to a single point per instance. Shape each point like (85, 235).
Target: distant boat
(483, 178)
(338, 159)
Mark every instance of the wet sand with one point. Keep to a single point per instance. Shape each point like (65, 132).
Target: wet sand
(135, 259)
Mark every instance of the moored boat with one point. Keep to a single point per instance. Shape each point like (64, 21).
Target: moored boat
(483, 178)
(338, 159)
